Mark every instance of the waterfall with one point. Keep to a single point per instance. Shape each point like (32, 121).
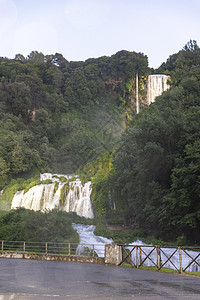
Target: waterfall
(88, 240)
(156, 85)
(48, 196)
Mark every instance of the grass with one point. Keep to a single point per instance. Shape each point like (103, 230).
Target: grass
(162, 270)
(192, 273)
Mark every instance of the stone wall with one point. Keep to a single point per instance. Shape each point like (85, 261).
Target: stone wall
(113, 254)
(50, 257)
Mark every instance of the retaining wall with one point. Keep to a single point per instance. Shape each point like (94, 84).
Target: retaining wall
(113, 255)
(51, 257)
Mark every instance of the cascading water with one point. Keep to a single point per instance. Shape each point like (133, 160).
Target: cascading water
(89, 240)
(48, 196)
(173, 263)
(156, 85)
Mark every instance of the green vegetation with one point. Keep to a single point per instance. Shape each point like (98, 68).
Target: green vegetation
(162, 270)
(60, 178)
(27, 225)
(64, 192)
(98, 171)
(122, 236)
(57, 115)
(65, 189)
(154, 172)
(156, 167)
(28, 186)
(56, 186)
(65, 116)
(18, 185)
(151, 268)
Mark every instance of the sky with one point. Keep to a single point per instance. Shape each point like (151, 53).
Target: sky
(82, 29)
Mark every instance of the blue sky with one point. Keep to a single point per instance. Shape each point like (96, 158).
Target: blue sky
(82, 29)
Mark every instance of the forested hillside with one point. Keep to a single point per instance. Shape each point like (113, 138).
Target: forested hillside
(80, 117)
(154, 173)
(57, 115)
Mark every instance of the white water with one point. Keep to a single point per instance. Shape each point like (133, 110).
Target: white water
(168, 251)
(88, 239)
(156, 85)
(55, 177)
(43, 197)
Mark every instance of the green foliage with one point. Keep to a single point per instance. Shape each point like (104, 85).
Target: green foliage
(27, 225)
(64, 192)
(101, 230)
(62, 116)
(119, 236)
(18, 185)
(156, 166)
(98, 172)
(8, 194)
(73, 178)
(28, 186)
(57, 115)
(60, 178)
(65, 189)
(56, 186)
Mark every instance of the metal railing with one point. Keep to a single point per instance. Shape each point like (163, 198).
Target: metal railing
(53, 248)
(180, 259)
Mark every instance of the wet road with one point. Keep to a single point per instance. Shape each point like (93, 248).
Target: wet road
(30, 280)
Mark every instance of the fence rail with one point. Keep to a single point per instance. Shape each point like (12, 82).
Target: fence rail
(53, 248)
(180, 259)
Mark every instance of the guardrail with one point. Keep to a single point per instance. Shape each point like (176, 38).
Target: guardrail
(180, 259)
(69, 249)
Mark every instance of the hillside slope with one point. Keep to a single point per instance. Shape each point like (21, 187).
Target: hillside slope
(57, 115)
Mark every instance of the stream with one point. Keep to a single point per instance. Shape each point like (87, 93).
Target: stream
(91, 242)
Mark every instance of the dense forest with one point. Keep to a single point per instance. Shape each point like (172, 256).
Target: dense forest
(153, 174)
(68, 117)
(57, 115)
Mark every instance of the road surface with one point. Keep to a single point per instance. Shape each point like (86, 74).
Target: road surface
(42, 280)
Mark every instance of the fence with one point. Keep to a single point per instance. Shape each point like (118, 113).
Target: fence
(70, 249)
(180, 259)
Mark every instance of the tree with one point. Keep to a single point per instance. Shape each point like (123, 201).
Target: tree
(4, 171)
(35, 58)
(20, 57)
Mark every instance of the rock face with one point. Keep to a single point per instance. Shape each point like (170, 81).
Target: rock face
(71, 196)
(156, 85)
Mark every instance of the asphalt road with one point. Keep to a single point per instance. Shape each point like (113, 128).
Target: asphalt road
(30, 280)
